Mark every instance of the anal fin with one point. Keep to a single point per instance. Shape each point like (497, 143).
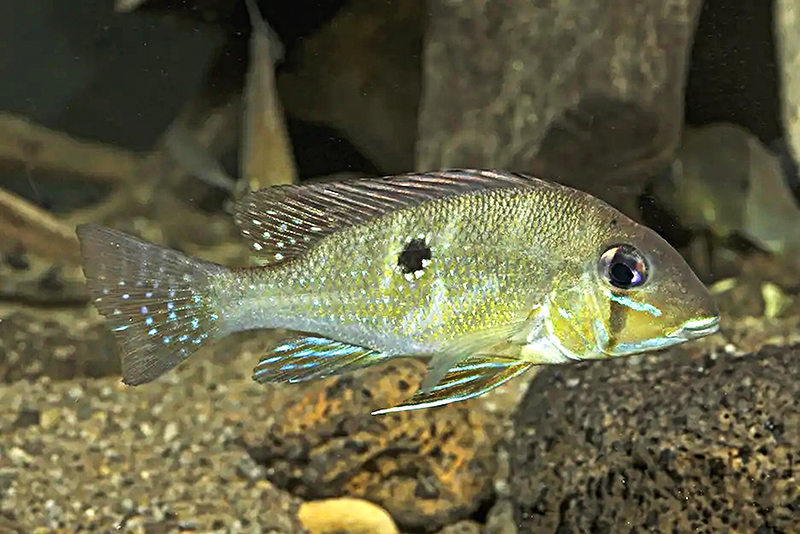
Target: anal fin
(313, 357)
(470, 378)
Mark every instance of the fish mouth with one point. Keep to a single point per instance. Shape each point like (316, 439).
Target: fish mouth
(697, 328)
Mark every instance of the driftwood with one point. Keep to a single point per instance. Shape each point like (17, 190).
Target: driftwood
(36, 147)
(27, 227)
(150, 190)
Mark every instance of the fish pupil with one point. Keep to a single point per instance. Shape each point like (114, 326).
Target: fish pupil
(621, 274)
(414, 256)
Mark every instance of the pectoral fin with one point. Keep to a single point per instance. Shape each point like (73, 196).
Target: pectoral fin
(490, 341)
(469, 378)
(313, 357)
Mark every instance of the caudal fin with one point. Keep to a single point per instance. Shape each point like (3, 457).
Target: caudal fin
(157, 301)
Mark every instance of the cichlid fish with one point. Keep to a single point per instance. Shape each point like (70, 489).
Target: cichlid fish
(486, 273)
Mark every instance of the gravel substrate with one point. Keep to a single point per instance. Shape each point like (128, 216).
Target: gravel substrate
(96, 456)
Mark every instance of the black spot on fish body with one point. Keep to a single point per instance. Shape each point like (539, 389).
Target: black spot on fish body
(415, 256)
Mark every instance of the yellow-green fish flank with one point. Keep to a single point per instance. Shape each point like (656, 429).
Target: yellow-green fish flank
(485, 273)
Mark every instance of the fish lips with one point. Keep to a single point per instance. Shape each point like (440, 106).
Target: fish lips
(697, 328)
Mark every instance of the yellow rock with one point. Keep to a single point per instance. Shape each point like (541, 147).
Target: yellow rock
(352, 516)
(775, 300)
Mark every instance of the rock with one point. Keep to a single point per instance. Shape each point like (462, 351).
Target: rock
(361, 74)
(344, 515)
(787, 30)
(36, 280)
(568, 90)
(462, 527)
(60, 346)
(7, 526)
(426, 469)
(789, 166)
(667, 443)
(501, 518)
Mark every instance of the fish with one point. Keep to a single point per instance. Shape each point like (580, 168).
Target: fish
(726, 184)
(266, 150)
(482, 273)
(262, 119)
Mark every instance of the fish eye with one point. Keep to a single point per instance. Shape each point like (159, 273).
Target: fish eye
(623, 266)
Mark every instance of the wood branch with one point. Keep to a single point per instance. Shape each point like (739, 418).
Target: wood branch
(36, 147)
(25, 225)
(44, 285)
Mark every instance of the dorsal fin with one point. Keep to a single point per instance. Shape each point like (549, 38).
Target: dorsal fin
(283, 222)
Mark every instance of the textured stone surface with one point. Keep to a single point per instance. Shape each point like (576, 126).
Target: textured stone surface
(787, 29)
(60, 346)
(361, 74)
(568, 90)
(462, 527)
(428, 469)
(668, 444)
(27, 278)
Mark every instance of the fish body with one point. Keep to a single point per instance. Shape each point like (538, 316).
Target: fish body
(726, 183)
(485, 273)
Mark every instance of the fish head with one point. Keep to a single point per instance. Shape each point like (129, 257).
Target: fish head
(628, 291)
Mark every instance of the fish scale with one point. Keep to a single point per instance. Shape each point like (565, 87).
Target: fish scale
(482, 284)
(485, 273)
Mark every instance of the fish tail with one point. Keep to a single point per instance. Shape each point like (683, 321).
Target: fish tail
(158, 302)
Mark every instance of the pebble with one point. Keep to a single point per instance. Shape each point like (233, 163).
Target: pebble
(345, 515)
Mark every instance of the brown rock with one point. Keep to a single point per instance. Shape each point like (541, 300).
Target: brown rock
(668, 443)
(787, 29)
(57, 345)
(462, 527)
(428, 469)
(572, 91)
(361, 74)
